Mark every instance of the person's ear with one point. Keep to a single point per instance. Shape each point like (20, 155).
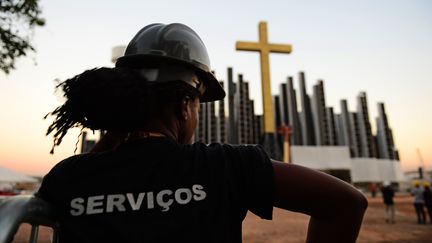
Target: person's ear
(185, 109)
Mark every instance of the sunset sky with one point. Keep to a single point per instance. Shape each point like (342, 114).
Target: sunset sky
(380, 47)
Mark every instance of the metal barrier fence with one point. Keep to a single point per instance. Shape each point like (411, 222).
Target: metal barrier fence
(16, 210)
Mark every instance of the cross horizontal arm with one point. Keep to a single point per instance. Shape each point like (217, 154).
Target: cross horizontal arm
(248, 46)
(279, 48)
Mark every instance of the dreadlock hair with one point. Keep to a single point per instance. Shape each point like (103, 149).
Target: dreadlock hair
(113, 99)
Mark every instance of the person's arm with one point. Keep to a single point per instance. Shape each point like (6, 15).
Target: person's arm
(336, 208)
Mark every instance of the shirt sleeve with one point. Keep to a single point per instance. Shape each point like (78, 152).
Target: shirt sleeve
(256, 180)
(52, 182)
(48, 188)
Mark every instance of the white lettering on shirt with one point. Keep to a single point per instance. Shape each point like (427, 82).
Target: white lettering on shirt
(93, 203)
(184, 191)
(199, 192)
(121, 202)
(150, 200)
(161, 202)
(135, 205)
(117, 201)
(77, 206)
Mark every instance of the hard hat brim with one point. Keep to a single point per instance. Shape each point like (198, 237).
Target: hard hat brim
(213, 89)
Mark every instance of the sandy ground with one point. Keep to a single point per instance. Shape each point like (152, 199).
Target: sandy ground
(291, 227)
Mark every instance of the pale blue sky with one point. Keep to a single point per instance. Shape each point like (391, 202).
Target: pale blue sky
(381, 47)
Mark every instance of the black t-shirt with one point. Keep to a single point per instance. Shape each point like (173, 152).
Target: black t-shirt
(156, 190)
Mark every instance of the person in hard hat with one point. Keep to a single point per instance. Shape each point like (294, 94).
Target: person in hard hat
(427, 196)
(417, 193)
(145, 181)
(388, 194)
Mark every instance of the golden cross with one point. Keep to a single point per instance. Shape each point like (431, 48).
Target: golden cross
(265, 48)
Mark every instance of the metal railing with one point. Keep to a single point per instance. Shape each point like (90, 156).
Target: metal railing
(26, 209)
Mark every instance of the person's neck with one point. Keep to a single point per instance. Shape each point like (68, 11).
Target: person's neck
(152, 132)
(146, 134)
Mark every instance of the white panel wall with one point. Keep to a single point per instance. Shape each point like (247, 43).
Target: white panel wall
(337, 157)
(364, 169)
(376, 170)
(321, 157)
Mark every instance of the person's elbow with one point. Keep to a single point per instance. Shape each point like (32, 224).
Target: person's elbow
(356, 203)
(362, 202)
(350, 203)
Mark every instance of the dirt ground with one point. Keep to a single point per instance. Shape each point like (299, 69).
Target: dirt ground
(291, 227)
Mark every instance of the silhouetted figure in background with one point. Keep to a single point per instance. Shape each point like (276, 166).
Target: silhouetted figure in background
(427, 196)
(388, 194)
(417, 192)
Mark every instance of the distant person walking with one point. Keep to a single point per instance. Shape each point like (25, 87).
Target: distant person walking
(417, 192)
(372, 189)
(388, 194)
(427, 196)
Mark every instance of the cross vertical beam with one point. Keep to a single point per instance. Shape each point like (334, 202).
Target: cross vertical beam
(265, 48)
